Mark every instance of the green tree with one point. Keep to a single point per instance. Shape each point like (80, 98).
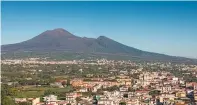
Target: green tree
(78, 99)
(68, 82)
(154, 92)
(24, 103)
(122, 103)
(113, 88)
(130, 89)
(7, 100)
(49, 92)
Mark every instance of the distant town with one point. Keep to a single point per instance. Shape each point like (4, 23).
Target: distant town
(37, 81)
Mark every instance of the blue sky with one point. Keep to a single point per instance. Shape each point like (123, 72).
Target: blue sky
(162, 27)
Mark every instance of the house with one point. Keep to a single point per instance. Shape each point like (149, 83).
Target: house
(192, 84)
(34, 101)
(50, 99)
(96, 87)
(195, 95)
(181, 94)
(71, 97)
(12, 83)
(57, 84)
(166, 89)
(76, 82)
(175, 80)
(124, 81)
(106, 102)
(83, 89)
(62, 103)
(18, 100)
(166, 98)
(123, 89)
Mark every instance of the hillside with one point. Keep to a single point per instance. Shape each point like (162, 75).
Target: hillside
(60, 40)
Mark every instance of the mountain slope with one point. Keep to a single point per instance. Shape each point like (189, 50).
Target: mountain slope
(62, 40)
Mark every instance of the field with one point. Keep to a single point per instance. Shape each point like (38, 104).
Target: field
(32, 92)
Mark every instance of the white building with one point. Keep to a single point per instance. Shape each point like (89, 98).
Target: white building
(51, 99)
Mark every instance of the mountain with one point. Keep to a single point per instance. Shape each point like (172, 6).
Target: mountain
(59, 40)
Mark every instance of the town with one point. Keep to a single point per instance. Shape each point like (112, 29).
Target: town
(36, 81)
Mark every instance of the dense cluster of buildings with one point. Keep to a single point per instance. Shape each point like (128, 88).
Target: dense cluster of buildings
(129, 87)
(150, 88)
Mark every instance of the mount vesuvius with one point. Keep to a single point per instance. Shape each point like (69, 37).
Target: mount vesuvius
(62, 40)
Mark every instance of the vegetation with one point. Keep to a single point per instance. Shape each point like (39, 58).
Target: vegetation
(6, 95)
(122, 103)
(113, 88)
(154, 92)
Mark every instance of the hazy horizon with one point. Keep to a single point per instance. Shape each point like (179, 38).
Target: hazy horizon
(162, 27)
